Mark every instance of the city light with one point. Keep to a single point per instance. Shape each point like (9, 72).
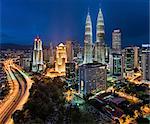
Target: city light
(74, 62)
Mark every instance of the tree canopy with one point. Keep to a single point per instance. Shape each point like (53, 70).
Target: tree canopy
(46, 105)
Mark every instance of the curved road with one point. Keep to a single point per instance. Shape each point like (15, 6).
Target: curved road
(19, 91)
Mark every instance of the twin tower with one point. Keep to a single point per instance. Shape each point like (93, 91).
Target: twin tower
(98, 53)
(37, 64)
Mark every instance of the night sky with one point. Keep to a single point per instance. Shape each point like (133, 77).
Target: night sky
(59, 20)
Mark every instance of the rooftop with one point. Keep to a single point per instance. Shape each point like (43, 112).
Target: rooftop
(94, 64)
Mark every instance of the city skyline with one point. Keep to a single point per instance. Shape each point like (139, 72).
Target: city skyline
(74, 62)
(131, 19)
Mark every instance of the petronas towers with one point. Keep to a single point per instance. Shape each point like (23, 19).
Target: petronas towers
(88, 41)
(100, 44)
(96, 53)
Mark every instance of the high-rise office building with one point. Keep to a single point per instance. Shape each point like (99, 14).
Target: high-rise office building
(117, 64)
(100, 33)
(116, 41)
(136, 57)
(61, 58)
(48, 54)
(69, 48)
(76, 48)
(92, 78)
(51, 54)
(99, 54)
(25, 62)
(145, 61)
(70, 73)
(110, 64)
(88, 50)
(131, 57)
(37, 61)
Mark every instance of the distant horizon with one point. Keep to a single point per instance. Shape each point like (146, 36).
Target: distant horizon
(46, 45)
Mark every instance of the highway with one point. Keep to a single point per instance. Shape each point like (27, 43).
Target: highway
(21, 84)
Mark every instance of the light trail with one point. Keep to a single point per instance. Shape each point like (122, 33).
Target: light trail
(21, 85)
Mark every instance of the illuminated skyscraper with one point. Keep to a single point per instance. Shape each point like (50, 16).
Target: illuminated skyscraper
(69, 48)
(116, 41)
(37, 62)
(88, 57)
(34, 55)
(61, 58)
(136, 57)
(131, 58)
(92, 78)
(146, 61)
(118, 67)
(100, 28)
(100, 44)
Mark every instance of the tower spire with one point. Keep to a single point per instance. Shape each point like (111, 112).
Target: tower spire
(88, 40)
(100, 27)
(100, 44)
(88, 29)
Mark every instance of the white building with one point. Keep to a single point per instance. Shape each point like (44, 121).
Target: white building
(145, 61)
(37, 60)
(61, 58)
(92, 78)
(99, 54)
(88, 50)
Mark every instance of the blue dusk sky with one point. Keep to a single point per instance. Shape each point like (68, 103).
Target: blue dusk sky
(61, 20)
